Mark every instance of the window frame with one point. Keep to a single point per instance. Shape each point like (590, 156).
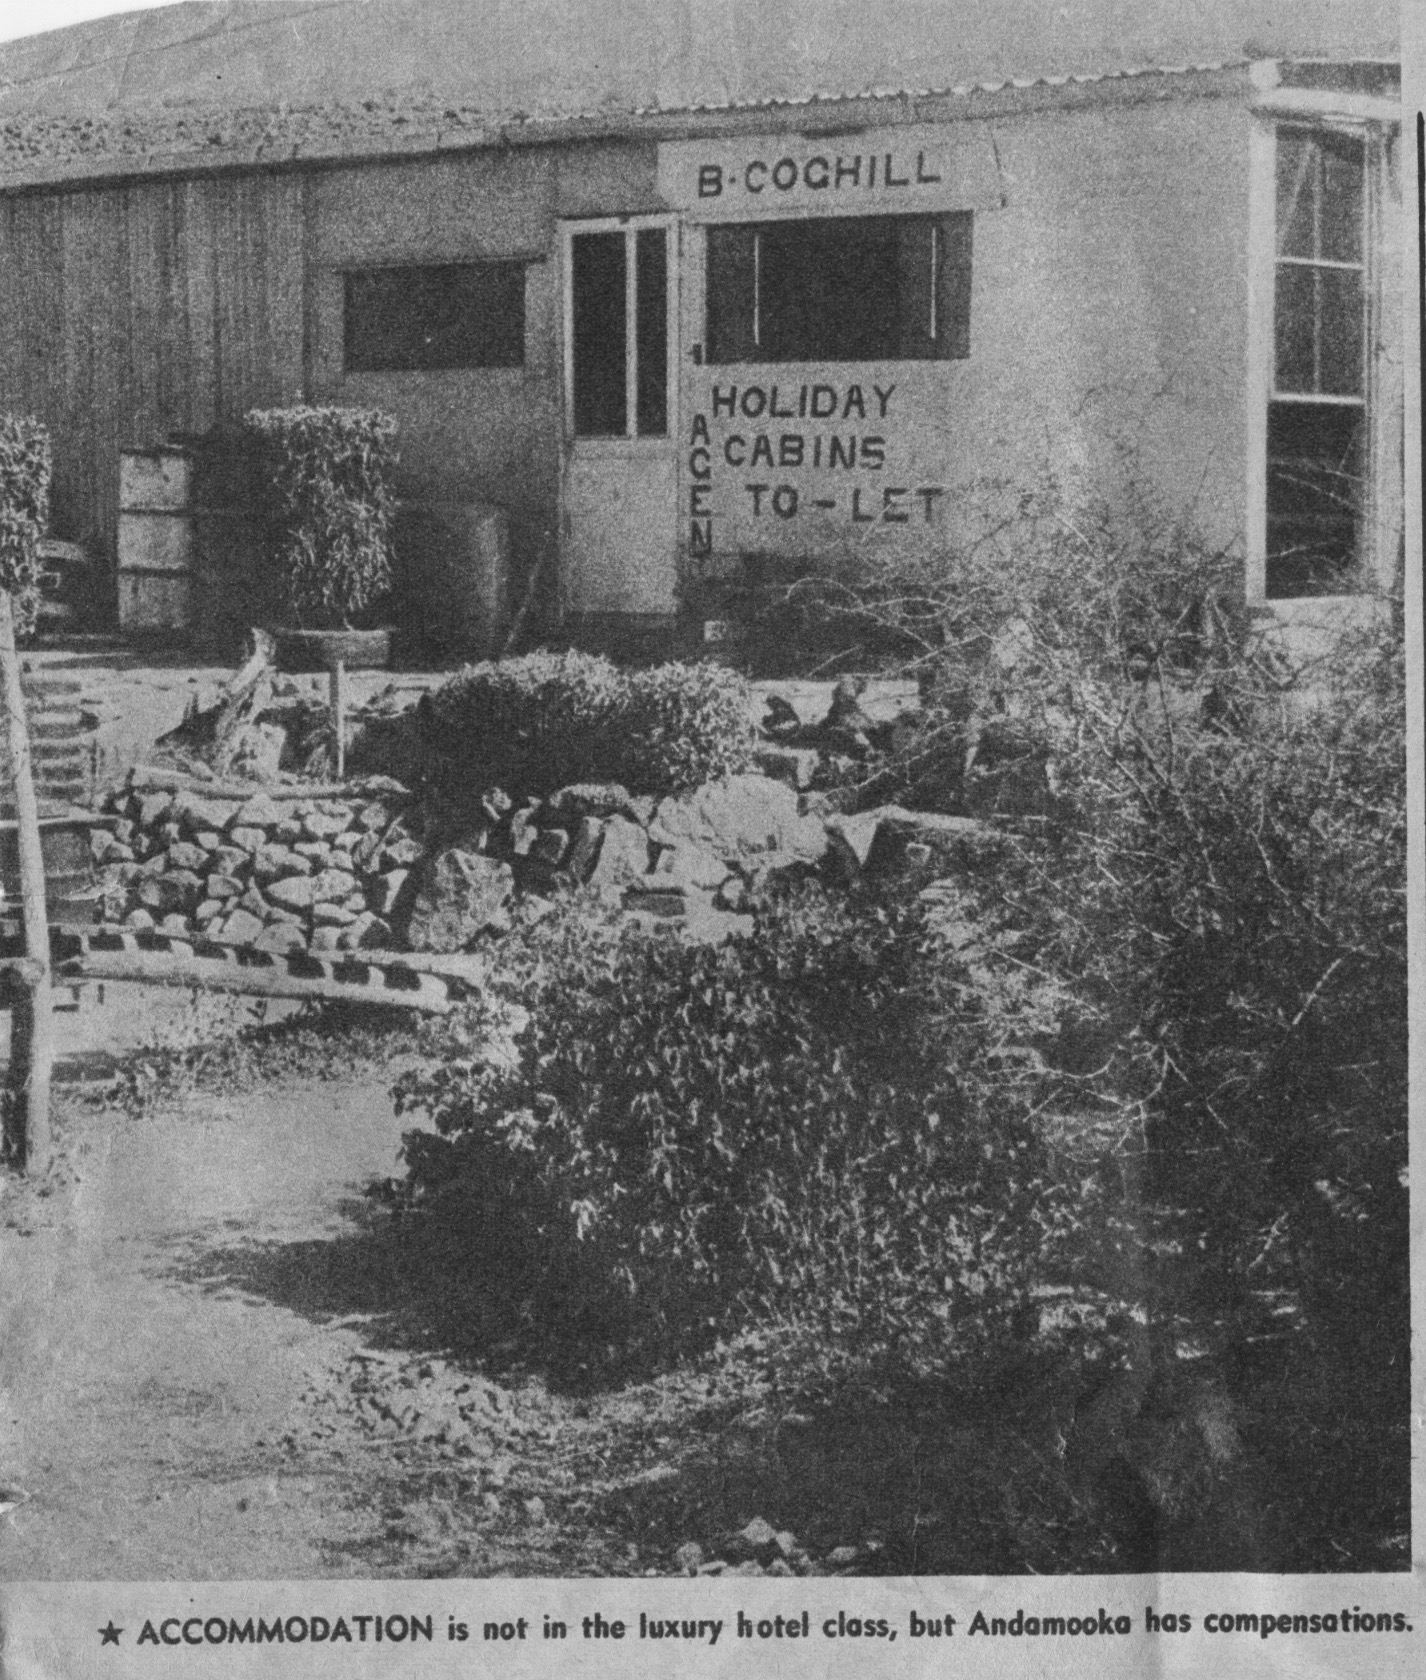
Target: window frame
(630, 226)
(350, 271)
(1373, 124)
(944, 240)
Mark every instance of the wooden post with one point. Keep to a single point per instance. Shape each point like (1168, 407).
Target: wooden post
(31, 1019)
(339, 718)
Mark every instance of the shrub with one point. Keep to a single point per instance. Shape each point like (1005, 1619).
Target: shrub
(25, 466)
(829, 1120)
(329, 470)
(538, 722)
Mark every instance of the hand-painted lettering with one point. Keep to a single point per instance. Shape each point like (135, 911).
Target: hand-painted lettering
(891, 511)
(895, 180)
(784, 501)
(700, 538)
(854, 400)
(748, 175)
(699, 434)
(754, 401)
(700, 463)
(928, 494)
(858, 517)
(883, 397)
(784, 174)
(850, 171)
(710, 181)
(789, 449)
(824, 401)
(757, 492)
(839, 454)
(698, 499)
(874, 451)
(735, 439)
(823, 176)
(923, 176)
(779, 413)
(762, 451)
(725, 402)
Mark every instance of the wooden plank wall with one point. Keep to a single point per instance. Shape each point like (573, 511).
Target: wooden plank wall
(129, 312)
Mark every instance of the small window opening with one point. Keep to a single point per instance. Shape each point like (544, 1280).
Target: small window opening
(453, 315)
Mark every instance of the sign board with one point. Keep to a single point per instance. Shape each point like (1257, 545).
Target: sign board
(879, 171)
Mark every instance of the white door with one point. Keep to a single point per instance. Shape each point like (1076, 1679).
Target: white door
(620, 496)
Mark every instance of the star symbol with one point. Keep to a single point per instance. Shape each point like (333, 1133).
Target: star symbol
(110, 1635)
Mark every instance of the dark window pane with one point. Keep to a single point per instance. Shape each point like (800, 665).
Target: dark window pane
(599, 335)
(731, 271)
(1296, 194)
(1315, 459)
(863, 288)
(1341, 331)
(1320, 195)
(455, 315)
(1342, 182)
(652, 331)
(1295, 318)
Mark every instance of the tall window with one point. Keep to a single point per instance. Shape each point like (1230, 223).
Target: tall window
(619, 330)
(1317, 408)
(840, 289)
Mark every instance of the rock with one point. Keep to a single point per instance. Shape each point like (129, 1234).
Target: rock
(346, 842)
(757, 1540)
(261, 811)
(365, 851)
(138, 919)
(104, 848)
(295, 892)
(385, 785)
(748, 1568)
(549, 846)
(184, 855)
(315, 851)
(850, 840)
(955, 843)
(289, 831)
(690, 865)
(589, 799)
(292, 918)
(623, 856)
(402, 853)
(153, 808)
(206, 911)
(257, 751)
(228, 860)
(168, 834)
(209, 839)
(180, 889)
(152, 865)
(273, 862)
(325, 939)
(787, 1543)
(462, 894)
(332, 885)
(794, 765)
(535, 1509)
(249, 839)
(523, 831)
(240, 928)
(496, 803)
(322, 825)
(253, 900)
(280, 937)
(780, 1566)
(175, 924)
(688, 1557)
(842, 1557)
(332, 915)
(584, 848)
(224, 886)
(123, 830)
(386, 889)
(741, 817)
(375, 817)
(716, 1567)
(198, 815)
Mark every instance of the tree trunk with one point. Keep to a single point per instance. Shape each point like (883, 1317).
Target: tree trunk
(31, 1019)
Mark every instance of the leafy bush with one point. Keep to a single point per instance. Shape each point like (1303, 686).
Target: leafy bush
(330, 470)
(538, 722)
(830, 1119)
(25, 466)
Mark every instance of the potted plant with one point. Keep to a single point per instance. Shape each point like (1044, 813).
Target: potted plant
(328, 470)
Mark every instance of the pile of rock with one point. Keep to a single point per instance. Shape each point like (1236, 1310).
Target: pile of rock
(272, 871)
(375, 869)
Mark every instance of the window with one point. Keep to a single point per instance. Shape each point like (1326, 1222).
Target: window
(619, 332)
(843, 289)
(456, 315)
(1317, 443)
